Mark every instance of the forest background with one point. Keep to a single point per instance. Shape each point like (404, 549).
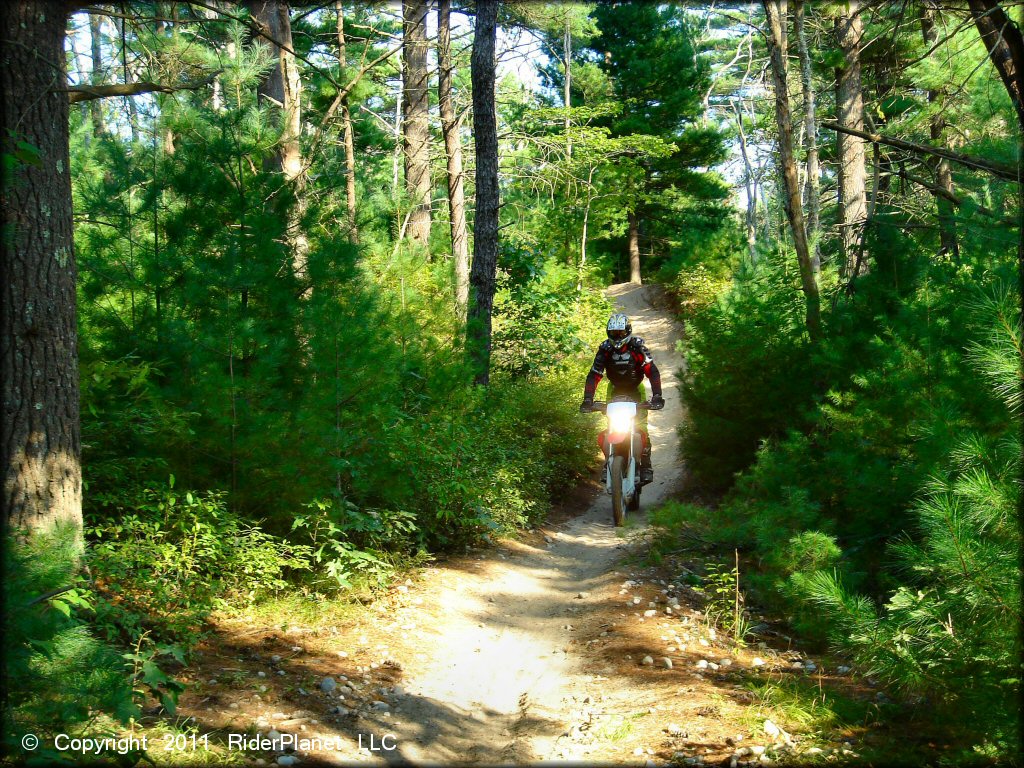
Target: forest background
(327, 279)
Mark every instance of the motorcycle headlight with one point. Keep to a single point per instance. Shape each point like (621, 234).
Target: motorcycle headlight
(620, 422)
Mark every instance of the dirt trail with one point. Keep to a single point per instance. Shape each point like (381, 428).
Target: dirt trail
(498, 685)
(529, 651)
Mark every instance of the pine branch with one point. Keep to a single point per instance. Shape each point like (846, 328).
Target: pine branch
(951, 197)
(78, 93)
(1007, 172)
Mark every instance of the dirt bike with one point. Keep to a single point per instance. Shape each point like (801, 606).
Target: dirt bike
(622, 445)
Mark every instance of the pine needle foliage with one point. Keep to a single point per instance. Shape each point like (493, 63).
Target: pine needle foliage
(58, 677)
(953, 631)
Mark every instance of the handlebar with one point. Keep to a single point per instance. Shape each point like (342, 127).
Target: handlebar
(600, 406)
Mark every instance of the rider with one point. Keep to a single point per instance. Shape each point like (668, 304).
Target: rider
(627, 360)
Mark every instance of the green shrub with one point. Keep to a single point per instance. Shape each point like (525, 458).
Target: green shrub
(165, 562)
(351, 544)
(951, 630)
(59, 678)
(749, 370)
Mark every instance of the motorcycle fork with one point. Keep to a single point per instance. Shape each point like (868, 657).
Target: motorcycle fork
(629, 455)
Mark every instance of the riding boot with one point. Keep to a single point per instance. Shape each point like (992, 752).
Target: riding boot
(646, 470)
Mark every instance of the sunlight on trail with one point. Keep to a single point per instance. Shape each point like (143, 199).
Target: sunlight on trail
(501, 655)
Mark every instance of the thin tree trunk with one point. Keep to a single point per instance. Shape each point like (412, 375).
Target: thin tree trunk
(567, 90)
(936, 128)
(283, 88)
(453, 155)
(396, 158)
(634, 247)
(96, 39)
(133, 114)
(485, 234)
(775, 11)
(40, 442)
(812, 184)
(748, 186)
(850, 149)
(346, 127)
(416, 129)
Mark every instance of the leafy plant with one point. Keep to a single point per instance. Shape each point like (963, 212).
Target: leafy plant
(164, 563)
(725, 601)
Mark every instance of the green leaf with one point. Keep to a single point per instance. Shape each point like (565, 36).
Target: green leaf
(152, 675)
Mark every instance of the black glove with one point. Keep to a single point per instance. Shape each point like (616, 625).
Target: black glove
(657, 402)
(587, 405)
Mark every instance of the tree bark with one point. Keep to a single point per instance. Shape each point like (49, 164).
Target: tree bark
(634, 247)
(282, 88)
(416, 129)
(775, 12)
(453, 155)
(485, 230)
(349, 140)
(1005, 46)
(95, 39)
(850, 148)
(39, 437)
(936, 127)
(812, 184)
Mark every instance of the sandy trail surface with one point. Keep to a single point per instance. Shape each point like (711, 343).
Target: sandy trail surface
(563, 645)
(501, 675)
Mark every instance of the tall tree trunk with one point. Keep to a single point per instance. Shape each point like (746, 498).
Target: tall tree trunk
(282, 88)
(346, 127)
(812, 184)
(936, 128)
(40, 441)
(850, 149)
(775, 11)
(748, 187)
(416, 129)
(567, 94)
(633, 245)
(95, 39)
(453, 154)
(133, 112)
(1005, 46)
(485, 230)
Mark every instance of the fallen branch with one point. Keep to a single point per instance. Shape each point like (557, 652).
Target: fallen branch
(1007, 172)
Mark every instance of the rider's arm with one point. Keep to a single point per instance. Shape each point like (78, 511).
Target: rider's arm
(650, 369)
(596, 373)
(655, 376)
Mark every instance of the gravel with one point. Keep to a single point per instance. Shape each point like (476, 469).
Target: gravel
(327, 685)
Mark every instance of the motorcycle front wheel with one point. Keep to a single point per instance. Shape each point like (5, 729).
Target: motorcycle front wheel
(618, 469)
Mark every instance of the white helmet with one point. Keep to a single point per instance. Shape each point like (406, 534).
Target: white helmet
(620, 330)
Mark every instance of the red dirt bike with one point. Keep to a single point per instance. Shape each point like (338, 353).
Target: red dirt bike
(622, 445)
